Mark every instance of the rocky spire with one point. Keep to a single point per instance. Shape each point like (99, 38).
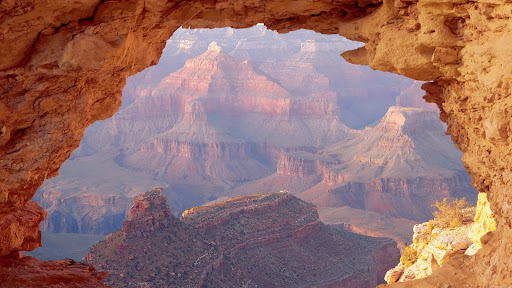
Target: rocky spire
(214, 47)
(150, 211)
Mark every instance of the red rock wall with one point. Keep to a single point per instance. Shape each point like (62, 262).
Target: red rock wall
(213, 150)
(292, 165)
(289, 165)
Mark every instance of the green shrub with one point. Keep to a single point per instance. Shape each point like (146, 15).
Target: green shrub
(449, 214)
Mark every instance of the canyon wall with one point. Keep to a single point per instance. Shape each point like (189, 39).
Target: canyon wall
(87, 214)
(400, 167)
(63, 68)
(197, 131)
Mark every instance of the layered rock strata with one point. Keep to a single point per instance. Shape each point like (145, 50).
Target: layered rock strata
(265, 240)
(399, 167)
(64, 67)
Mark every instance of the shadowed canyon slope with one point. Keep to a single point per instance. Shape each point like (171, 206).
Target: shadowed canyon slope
(264, 240)
(64, 68)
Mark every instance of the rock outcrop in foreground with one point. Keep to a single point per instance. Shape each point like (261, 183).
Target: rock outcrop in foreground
(18, 270)
(264, 240)
(63, 67)
(433, 246)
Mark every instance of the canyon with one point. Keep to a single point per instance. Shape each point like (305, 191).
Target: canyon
(391, 168)
(263, 240)
(52, 90)
(221, 126)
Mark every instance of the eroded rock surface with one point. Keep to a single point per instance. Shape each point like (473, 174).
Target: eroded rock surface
(484, 223)
(18, 270)
(150, 211)
(432, 248)
(63, 67)
(264, 240)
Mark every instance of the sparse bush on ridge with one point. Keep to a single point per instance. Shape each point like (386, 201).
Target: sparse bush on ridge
(409, 257)
(450, 214)
(446, 215)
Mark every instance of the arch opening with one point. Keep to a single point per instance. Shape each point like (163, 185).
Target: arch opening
(231, 112)
(457, 46)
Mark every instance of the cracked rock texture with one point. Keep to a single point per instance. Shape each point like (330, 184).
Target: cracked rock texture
(63, 67)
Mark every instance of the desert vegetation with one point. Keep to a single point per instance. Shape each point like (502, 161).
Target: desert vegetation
(447, 215)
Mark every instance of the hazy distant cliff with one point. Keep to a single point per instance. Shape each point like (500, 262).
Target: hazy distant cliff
(282, 118)
(399, 167)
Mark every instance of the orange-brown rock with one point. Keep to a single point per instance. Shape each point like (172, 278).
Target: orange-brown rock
(63, 68)
(18, 270)
(20, 230)
(150, 211)
(484, 223)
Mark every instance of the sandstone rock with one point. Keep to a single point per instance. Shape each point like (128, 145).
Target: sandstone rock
(484, 223)
(17, 270)
(394, 274)
(473, 249)
(433, 248)
(420, 232)
(21, 229)
(445, 55)
(45, 108)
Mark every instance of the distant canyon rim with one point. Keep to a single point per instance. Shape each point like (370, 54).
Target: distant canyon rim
(260, 111)
(65, 67)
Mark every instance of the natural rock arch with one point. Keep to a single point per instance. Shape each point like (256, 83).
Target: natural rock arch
(62, 68)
